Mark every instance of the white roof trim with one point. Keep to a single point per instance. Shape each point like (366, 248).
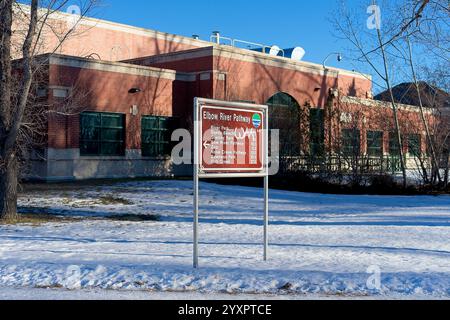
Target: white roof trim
(384, 104)
(107, 66)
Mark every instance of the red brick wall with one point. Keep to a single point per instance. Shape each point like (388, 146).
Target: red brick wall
(188, 65)
(108, 92)
(258, 82)
(381, 119)
(114, 45)
(112, 42)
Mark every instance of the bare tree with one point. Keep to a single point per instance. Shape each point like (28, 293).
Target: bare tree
(395, 28)
(437, 77)
(17, 112)
(415, 41)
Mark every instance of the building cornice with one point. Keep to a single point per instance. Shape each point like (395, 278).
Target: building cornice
(384, 104)
(107, 66)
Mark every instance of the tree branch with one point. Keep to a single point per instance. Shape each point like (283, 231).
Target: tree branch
(27, 78)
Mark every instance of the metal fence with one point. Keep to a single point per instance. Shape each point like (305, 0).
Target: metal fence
(339, 164)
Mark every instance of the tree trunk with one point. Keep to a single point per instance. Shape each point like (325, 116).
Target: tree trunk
(8, 167)
(394, 110)
(8, 188)
(11, 115)
(447, 169)
(435, 164)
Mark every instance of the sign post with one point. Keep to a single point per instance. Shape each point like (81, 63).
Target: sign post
(230, 141)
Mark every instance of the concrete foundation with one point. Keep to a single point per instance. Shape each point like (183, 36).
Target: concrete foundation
(68, 165)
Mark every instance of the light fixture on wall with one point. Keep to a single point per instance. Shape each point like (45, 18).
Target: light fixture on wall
(334, 92)
(134, 110)
(134, 90)
(338, 56)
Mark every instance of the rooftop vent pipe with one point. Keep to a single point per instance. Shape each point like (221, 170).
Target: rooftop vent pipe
(216, 34)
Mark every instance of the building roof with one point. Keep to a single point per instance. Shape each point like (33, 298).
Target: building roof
(406, 93)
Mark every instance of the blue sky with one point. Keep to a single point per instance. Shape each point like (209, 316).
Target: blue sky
(286, 23)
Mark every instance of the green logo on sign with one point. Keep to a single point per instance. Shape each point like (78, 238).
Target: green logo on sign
(256, 120)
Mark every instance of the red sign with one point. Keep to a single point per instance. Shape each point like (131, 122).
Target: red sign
(232, 139)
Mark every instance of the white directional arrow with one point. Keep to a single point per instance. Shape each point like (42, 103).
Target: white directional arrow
(206, 144)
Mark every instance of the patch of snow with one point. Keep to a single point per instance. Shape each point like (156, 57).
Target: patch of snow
(321, 245)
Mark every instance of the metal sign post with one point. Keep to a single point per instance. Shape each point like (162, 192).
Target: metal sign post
(230, 141)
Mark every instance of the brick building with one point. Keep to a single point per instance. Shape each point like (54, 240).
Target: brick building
(140, 84)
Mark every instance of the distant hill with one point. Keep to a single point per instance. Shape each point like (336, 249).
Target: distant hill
(406, 93)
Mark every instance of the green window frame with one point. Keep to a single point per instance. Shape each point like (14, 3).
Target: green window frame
(375, 143)
(414, 145)
(156, 135)
(394, 148)
(102, 134)
(351, 142)
(317, 132)
(394, 152)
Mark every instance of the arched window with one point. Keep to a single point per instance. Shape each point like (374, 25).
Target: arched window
(284, 114)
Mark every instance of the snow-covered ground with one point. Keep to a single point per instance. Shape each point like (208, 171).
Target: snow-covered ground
(321, 245)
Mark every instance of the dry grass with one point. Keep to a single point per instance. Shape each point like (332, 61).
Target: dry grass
(37, 219)
(111, 200)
